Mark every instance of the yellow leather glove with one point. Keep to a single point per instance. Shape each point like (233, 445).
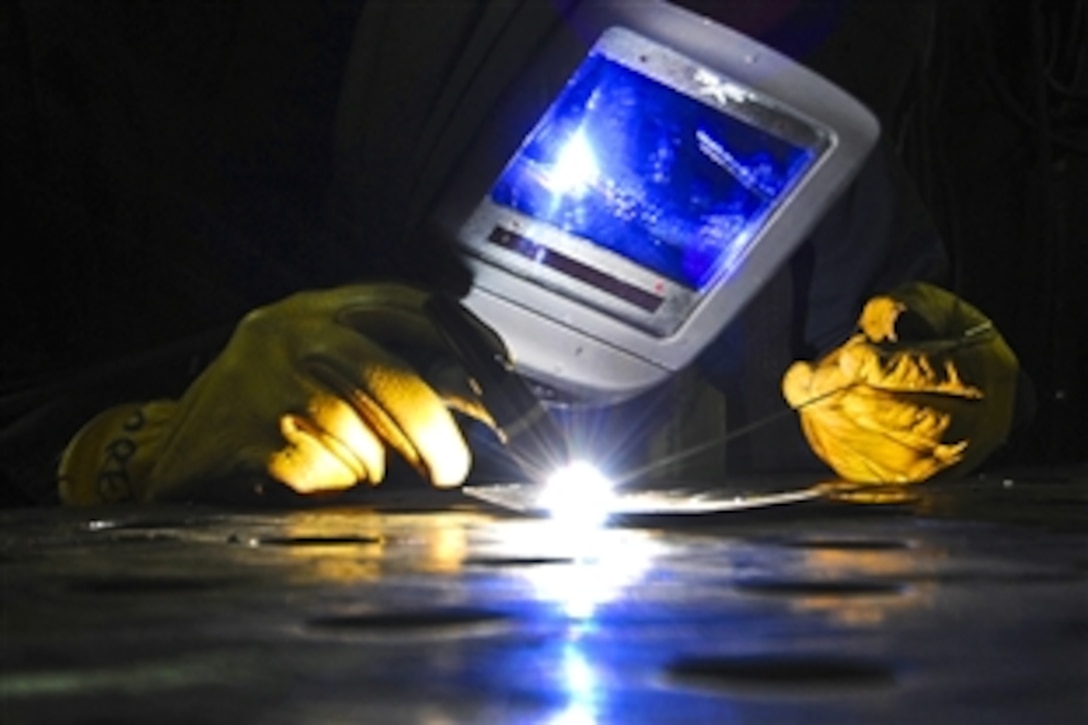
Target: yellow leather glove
(926, 387)
(312, 392)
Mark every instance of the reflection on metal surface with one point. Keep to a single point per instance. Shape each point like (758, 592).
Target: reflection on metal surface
(151, 677)
(871, 493)
(596, 565)
(353, 545)
(850, 583)
(580, 590)
(334, 548)
(582, 685)
(853, 602)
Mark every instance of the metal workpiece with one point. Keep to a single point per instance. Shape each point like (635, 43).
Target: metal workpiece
(965, 603)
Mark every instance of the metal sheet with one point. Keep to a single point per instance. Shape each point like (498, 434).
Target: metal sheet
(526, 498)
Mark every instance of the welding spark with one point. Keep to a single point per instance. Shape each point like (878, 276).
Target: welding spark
(578, 494)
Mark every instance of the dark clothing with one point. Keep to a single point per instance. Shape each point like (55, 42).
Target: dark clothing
(172, 165)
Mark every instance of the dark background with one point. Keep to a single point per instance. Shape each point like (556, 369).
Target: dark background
(996, 137)
(141, 142)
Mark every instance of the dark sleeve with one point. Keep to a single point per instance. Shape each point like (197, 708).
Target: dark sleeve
(39, 417)
(878, 234)
(875, 237)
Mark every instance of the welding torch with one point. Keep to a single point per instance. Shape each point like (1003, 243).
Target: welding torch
(532, 438)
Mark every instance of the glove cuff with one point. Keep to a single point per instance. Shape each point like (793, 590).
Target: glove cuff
(111, 458)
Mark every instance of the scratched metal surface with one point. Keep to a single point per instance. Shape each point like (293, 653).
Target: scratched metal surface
(965, 604)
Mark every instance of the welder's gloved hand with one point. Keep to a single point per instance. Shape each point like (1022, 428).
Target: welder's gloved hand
(314, 392)
(926, 387)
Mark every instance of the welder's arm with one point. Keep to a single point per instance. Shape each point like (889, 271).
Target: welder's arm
(926, 387)
(313, 392)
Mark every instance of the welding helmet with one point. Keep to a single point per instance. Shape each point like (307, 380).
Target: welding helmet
(621, 195)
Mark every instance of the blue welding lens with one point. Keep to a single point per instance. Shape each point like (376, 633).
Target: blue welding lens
(654, 175)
